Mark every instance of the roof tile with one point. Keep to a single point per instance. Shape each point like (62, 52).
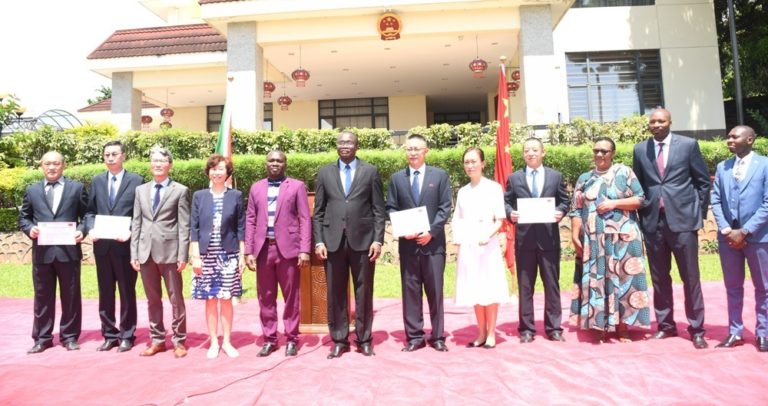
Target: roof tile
(176, 39)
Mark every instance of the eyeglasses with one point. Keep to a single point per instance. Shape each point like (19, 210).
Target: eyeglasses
(112, 154)
(345, 143)
(414, 149)
(601, 151)
(160, 161)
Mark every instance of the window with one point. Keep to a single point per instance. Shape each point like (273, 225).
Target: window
(612, 3)
(361, 113)
(215, 112)
(457, 118)
(606, 86)
(267, 117)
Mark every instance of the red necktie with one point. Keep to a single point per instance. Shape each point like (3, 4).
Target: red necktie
(660, 166)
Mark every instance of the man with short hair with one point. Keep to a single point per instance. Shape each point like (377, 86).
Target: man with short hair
(112, 194)
(740, 206)
(422, 256)
(55, 200)
(160, 249)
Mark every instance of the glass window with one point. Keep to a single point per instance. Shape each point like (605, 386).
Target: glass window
(606, 86)
(361, 113)
(612, 3)
(213, 121)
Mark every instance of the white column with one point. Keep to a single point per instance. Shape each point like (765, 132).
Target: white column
(538, 65)
(245, 77)
(126, 102)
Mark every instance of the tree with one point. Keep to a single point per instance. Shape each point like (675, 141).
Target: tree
(751, 18)
(104, 94)
(9, 104)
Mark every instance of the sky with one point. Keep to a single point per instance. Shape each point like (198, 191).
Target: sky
(46, 42)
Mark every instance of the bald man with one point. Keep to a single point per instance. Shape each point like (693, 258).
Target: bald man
(55, 200)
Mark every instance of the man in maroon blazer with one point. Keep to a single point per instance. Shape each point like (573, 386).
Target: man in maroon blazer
(278, 237)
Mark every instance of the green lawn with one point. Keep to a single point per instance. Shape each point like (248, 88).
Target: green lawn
(16, 281)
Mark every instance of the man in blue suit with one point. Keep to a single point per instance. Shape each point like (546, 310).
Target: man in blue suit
(740, 206)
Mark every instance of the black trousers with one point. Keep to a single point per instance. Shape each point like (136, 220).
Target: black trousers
(425, 272)
(529, 264)
(114, 271)
(44, 279)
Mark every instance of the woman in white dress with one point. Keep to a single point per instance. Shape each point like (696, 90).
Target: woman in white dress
(480, 276)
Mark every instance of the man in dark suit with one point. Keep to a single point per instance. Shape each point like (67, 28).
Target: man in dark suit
(278, 239)
(60, 200)
(673, 174)
(160, 249)
(740, 206)
(348, 227)
(537, 244)
(112, 194)
(422, 256)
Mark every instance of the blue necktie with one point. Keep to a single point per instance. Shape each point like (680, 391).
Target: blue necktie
(534, 186)
(112, 191)
(347, 179)
(415, 187)
(156, 200)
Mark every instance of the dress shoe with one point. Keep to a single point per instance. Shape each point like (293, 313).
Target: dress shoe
(152, 350)
(661, 334)
(475, 344)
(699, 343)
(731, 341)
(337, 350)
(71, 345)
(367, 349)
(291, 349)
(526, 338)
(266, 349)
(762, 344)
(125, 345)
(180, 351)
(411, 347)
(440, 346)
(39, 347)
(556, 336)
(107, 345)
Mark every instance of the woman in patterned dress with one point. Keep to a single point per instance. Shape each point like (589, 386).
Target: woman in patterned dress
(611, 289)
(217, 239)
(480, 273)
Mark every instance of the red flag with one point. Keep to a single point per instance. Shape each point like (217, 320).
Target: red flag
(503, 166)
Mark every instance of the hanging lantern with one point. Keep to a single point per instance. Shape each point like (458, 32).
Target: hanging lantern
(515, 75)
(300, 76)
(146, 120)
(166, 113)
(478, 66)
(269, 87)
(166, 125)
(284, 101)
(513, 86)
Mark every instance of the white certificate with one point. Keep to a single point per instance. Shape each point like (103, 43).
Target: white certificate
(536, 210)
(56, 233)
(411, 221)
(111, 227)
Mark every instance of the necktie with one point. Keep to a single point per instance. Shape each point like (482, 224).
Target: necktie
(156, 200)
(534, 185)
(347, 179)
(660, 166)
(739, 172)
(49, 194)
(112, 191)
(415, 188)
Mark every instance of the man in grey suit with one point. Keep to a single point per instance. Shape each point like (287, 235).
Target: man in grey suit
(55, 200)
(675, 179)
(348, 228)
(159, 249)
(422, 256)
(112, 194)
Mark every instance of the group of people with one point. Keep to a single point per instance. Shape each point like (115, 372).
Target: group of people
(661, 200)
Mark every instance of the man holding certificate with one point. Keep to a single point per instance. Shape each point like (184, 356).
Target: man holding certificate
(110, 207)
(422, 252)
(536, 199)
(51, 215)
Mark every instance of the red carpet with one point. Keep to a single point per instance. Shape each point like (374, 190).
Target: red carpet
(643, 372)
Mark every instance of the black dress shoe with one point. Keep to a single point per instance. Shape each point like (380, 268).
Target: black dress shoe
(71, 345)
(762, 344)
(440, 346)
(266, 349)
(699, 343)
(475, 344)
(337, 350)
(731, 341)
(290, 349)
(526, 338)
(107, 345)
(661, 334)
(39, 347)
(125, 345)
(366, 349)
(411, 347)
(556, 336)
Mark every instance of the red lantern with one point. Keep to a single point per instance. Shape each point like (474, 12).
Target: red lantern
(478, 66)
(284, 101)
(513, 86)
(269, 87)
(166, 113)
(515, 75)
(300, 76)
(146, 120)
